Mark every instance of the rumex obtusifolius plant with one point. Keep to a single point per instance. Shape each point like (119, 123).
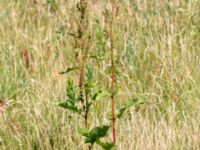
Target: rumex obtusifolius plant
(74, 104)
(82, 95)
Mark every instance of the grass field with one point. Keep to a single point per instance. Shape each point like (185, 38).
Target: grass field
(157, 50)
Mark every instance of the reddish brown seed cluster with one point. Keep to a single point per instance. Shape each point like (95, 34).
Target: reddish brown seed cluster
(3, 105)
(26, 58)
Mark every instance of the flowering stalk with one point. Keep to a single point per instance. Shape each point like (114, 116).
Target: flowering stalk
(113, 75)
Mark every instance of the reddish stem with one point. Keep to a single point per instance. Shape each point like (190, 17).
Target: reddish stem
(86, 119)
(113, 81)
(86, 114)
(26, 58)
(113, 109)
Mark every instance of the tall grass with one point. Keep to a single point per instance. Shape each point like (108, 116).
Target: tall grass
(157, 52)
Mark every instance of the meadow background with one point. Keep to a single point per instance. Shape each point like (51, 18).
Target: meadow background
(157, 46)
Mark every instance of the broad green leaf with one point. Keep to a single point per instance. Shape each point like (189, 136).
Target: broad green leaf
(105, 146)
(69, 70)
(83, 131)
(96, 133)
(69, 106)
(101, 130)
(90, 139)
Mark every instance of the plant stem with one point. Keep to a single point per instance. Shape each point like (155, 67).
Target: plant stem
(113, 76)
(113, 109)
(113, 103)
(86, 109)
(82, 27)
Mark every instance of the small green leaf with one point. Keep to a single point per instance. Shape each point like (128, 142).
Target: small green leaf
(98, 58)
(69, 106)
(128, 104)
(69, 70)
(89, 85)
(101, 130)
(83, 131)
(120, 112)
(134, 102)
(101, 94)
(72, 99)
(90, 72)
(105, 146)
(70, 90)
(50, 2)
